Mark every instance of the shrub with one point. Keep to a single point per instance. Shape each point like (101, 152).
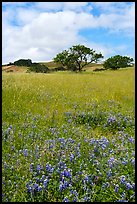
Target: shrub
(59, 69)
(117, 62)
(36, 67)
(23, 62)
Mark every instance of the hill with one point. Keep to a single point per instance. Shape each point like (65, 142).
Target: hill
(92, 66)
(13, 68)
(51, 65)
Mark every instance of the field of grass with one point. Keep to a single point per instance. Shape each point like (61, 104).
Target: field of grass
(68, 137)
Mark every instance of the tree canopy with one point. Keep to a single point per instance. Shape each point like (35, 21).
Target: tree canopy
(117, 62)
(77, 57)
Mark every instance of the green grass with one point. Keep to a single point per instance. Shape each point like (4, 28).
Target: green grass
(53, 64)
(44, 107)
(39, 92)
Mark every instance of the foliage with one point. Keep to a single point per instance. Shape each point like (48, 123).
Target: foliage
(77, 57)
(61, 68)
(23, 62)
(36, 67)
(118, 61)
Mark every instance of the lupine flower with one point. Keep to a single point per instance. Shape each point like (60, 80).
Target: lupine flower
(42, 178)
(110, 151)
(29, 189)
(62, 178)
(62, 140)
(35, 186)
(20, 151)
(26, 152)
(103, 146)
(84, 187)
(123, 195)
(67, 173)
(86, 198)
(86, 178)
(111, 161)
(45, 183)
(49, 168)
(66, 184)
(104, 154)
(109, 173)
(31, 167)
(133, 185)
(74, 199)
(75, 193)
(116, 188)
(123, 179)
(65, 199)
(121, 201)
(38, 167)
(124, 162)
(61, 186)
(71, 157)
(111, 120)
(69, 121)
(50, 146)
(132, 160)
(105, 185)
(128, 186)
(39, 188)
(37, 179)
(131, 139)
(8, 131)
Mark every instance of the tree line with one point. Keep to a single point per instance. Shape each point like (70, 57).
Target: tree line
(75, 59)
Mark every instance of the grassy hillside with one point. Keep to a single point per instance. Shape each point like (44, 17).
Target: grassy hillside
(15, 69)
(68, 137)
(52, 65)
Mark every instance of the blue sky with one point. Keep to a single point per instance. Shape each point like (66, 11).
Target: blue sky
(40, 30)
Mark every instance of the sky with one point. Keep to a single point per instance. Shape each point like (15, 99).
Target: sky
(40, 30)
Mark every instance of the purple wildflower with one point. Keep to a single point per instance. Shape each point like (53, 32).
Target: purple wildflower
(45, 183)
(35, 186)
(116, 188)
(38, 167)
(123, 179)
(26, 152)
(65, 199)
(39, 188)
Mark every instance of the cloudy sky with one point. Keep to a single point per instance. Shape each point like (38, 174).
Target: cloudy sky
(40, 30)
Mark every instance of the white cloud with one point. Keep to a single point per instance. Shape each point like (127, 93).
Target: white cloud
(25, 16)
(41, 35)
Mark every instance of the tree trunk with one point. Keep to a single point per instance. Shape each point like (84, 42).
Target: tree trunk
(79, 67)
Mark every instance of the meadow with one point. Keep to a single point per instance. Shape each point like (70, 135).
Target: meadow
(68, 136)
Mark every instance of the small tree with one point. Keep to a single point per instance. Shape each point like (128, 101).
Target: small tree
(38, 68)
(117, 62)
(23, 62)
(77, 57)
